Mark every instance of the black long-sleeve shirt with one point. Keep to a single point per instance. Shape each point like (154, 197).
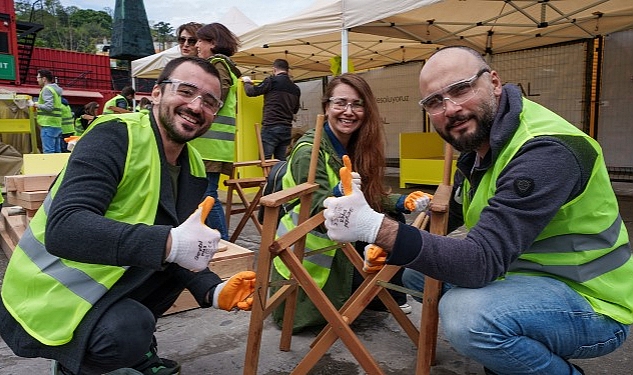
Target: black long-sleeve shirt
(281, 99)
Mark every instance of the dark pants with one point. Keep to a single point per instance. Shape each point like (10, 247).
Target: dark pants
(216, 218)
(125, 332)
(275, 140)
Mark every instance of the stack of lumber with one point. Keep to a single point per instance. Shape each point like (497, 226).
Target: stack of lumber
(12, 225)
(28, 191)
(25, 193)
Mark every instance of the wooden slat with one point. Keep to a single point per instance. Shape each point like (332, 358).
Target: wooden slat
(34, 182)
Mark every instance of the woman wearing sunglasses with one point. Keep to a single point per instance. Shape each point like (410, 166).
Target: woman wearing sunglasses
(216, 43)
(187, 38)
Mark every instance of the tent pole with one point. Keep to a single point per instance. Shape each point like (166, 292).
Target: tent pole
(344, 50)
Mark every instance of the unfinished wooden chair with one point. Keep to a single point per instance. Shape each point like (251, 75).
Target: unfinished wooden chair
(238, 184)
(290, 249)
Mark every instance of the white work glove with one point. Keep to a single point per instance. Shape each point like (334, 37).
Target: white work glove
(417, 201)
(246, 79)
(350, 218)
(30, 103)
(339, 191)
(193, 244)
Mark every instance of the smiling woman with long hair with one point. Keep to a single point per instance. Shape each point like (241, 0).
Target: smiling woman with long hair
(216, 43)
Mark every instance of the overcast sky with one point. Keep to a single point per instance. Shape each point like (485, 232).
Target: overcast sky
(204, 11)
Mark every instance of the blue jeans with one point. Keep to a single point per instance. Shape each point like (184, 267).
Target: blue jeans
(51, 139)
(523, 324)
(216, 218)
(275, 140)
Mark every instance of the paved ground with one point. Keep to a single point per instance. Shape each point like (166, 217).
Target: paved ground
(208, 341)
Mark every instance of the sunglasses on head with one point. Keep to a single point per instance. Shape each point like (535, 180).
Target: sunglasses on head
(189, 41)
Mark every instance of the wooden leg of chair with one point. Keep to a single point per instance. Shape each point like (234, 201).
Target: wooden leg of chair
(260, 298)
(428, 326)
(228, 207)
(337, 321)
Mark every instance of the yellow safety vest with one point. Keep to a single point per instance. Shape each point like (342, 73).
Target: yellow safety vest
(586, 244)
(218, 143)
(49, 296)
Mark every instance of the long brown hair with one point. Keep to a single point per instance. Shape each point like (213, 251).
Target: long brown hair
(366, 147)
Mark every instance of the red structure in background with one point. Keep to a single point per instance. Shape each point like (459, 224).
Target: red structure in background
(84, 77)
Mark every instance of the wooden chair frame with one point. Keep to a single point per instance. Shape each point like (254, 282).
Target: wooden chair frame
(339, 321)
(238, 184)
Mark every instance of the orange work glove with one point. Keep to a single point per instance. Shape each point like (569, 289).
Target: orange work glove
(71, 141)
(417, 201)
(236, 292)
(375, 258)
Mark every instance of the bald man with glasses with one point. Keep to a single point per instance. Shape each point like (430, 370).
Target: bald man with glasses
(543, 275)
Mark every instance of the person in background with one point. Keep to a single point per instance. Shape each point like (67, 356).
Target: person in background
(216, 44)
(281, 104)
(96, 269)
(83, 120)
(121, 103)
(187, 39)
(68, 127)
(544, 273)
(354, 128)
(49, 112)
(144, 105)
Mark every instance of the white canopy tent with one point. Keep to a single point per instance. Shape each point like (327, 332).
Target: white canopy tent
(385, 32)
(310, 39)
(151, 66)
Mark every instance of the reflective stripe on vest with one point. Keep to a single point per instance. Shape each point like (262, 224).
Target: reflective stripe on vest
(586, 244)
(49, 296)
(319, 264)
(52, 118)
(218, 143)
(68, 125)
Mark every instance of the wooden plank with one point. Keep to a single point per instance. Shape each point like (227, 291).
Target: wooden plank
(7, 244)
(12, 228)
(22, 199)
(225, 264)
(229, 267)
(14, 225)
(33, 182)
(184, 302)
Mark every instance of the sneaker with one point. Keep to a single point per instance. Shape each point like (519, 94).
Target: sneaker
(152, 364)
(160, 366)
(406, 308)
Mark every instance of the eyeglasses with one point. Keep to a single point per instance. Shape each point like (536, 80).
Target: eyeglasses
(190, 92)
(190, 41)
(339, 103)
(458, 93)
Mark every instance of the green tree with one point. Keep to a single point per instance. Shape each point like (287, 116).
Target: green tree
(69, 28)
(161, 32)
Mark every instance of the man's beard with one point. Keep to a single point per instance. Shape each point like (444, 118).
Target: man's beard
(471, 142)
(166, 123)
